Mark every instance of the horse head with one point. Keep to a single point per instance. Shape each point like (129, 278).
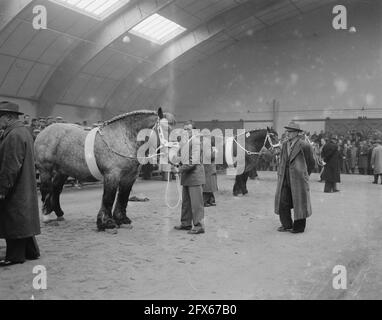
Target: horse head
(273, 143)
(261, 140)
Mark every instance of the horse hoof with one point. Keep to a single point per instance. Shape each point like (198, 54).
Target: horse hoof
(124, 220)
(110, 224)
(60, 218)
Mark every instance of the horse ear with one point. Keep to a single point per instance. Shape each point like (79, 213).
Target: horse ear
(160, 113)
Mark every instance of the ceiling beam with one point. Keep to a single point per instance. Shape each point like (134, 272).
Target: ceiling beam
(89, 49)
(10, 9)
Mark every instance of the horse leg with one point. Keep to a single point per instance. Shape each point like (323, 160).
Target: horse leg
(244, 179)
(125, 185)
(46, 191)
(104, 217)
(236, 186)
(58, 184)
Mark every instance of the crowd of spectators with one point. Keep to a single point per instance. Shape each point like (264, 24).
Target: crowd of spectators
(355, 149)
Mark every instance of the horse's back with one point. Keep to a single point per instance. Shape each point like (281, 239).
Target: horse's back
(60, 145)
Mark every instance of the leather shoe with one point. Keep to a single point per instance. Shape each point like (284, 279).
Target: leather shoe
(196, 231)
(6, 263)
(182, 227)
(296, 231)
(336, 190)
(283, 229)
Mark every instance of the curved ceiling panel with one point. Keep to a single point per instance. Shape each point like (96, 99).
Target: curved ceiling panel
(82, 61)
(94, 44)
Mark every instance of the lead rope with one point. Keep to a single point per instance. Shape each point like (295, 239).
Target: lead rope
(179, 190)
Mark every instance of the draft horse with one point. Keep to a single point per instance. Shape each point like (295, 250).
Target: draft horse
(256, 143)
(60, 153)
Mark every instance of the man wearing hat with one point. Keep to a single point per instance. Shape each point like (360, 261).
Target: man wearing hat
(19, 216)
(296, 164)
(331, 174)
(376, 160)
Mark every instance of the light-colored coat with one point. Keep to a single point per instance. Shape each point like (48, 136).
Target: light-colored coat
(301, 164)
(376, 159)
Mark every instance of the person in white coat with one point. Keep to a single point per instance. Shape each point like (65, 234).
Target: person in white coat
(376, 160)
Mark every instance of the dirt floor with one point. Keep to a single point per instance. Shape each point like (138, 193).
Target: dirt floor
(241, 255)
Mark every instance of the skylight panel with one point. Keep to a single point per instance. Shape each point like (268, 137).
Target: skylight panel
(98, 9)
(157, 29)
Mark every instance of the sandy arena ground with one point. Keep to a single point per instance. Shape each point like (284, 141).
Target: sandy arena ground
(241, 255)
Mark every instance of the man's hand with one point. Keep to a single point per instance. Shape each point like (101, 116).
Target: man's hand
(2, 197)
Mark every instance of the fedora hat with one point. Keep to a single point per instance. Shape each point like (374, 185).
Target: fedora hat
(9, 107)
(292, 126)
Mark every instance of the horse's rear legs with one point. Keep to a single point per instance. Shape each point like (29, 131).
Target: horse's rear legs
(46, 188)
(58, 184)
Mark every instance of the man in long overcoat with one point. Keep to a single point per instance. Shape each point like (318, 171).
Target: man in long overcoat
(331, 157)
(376, 160)
(296, 164)
(19, 215)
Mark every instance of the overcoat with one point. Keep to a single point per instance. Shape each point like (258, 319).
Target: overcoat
(362, 158)
(301, 164)
(192, 171)
(19, 215)
(376, 159)
(211, 178)
(330, 155)
(211, 184)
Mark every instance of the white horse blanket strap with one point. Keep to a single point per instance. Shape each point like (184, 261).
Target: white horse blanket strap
(229, 151)
(89, 154)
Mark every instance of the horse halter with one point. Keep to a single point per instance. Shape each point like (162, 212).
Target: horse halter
(266, 139)
(164, 143)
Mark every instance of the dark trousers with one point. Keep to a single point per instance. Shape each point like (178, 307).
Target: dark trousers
(192, 207)
(286, 204)
(330, 186)
(18, 250)
(208, 197)
(376, 178)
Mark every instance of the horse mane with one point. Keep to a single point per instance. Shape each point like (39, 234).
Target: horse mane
(128, 114)
(257, 130)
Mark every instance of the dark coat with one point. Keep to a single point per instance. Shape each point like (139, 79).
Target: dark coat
(301, 164)
(362, 157)
(19, 215)
(330, 155)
